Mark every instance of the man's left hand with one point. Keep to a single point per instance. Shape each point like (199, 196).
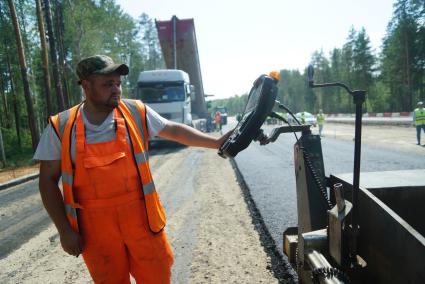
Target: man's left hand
(223, 138)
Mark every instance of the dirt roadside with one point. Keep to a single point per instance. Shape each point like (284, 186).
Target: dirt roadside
(212, 232)
(393, 137)
(400, 138)
(13, 173)
(209, 228)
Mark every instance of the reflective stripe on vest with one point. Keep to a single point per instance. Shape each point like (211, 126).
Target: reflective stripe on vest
(133, 112)
(59, 121)
(155, 211)
(148, 188)
(62, 124)
(68, 178)
(70, 210)
(140, 158)
(420, 116)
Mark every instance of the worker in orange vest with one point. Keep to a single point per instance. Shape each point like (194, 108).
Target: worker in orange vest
(109, 211)
(217, 119)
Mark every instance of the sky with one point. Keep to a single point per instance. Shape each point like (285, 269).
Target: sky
(238, 40)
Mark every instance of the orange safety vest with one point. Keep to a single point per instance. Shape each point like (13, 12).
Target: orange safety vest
(217, 117)
(134, 114)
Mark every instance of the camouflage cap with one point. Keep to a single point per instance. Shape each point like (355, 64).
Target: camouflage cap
(99, 64)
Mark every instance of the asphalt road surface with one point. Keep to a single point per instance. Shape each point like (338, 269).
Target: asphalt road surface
(210, 229)
(22, 216)
(269, 173)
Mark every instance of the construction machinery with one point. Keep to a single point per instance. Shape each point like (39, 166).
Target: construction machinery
(348, 232)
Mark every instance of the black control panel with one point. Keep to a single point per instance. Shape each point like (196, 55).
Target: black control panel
(260, 103)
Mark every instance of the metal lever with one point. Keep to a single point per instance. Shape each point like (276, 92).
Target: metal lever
(340, 204)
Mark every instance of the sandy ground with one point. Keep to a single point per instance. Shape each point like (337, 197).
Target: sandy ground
(395, 137)
(12, 173)
(209, 225)
(400, 138)
(221, 247)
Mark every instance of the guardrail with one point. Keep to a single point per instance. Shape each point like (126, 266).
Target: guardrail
(373, 114)
(384, 118)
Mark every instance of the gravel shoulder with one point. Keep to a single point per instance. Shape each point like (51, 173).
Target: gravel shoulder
(13, 173)
(209, 228)
(400, 138)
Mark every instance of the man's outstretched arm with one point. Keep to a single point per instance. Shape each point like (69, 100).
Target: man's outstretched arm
(50, 172)
(190, 136)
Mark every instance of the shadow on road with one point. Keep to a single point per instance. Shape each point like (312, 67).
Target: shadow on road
(164, 147)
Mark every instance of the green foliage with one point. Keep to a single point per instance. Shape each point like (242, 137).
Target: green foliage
(293, 91)
(89, 27)
(15, 156)
(403, 56)
(98, 28)
(234, 105)
(394, 79)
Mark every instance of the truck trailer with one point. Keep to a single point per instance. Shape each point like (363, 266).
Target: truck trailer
(179, 47)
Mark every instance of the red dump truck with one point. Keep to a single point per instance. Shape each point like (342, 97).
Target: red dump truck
(177, 38)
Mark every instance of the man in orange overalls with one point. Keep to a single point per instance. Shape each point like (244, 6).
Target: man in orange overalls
(109, 210)
(217, 119)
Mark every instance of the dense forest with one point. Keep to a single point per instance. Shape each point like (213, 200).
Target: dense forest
(41, 42)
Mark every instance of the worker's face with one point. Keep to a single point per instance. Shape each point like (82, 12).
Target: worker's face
(103, 91)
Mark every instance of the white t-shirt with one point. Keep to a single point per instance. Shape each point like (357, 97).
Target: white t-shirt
(49, 147)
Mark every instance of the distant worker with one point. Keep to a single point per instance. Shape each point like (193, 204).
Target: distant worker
(217, 119)
(320, 121)
(109, 210)
(419, 120)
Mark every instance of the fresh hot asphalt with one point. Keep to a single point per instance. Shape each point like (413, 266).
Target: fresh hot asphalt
(269, 173)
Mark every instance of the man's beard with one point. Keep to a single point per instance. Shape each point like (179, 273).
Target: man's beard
(111, 103)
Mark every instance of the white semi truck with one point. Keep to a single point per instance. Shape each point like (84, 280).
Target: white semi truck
(168, 92)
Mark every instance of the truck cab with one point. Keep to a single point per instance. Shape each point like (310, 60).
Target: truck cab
(168, 92)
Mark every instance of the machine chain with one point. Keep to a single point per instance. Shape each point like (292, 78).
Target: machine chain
(316, 178)
(329, 272)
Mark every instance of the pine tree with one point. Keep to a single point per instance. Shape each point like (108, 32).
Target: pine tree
(32, 121)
